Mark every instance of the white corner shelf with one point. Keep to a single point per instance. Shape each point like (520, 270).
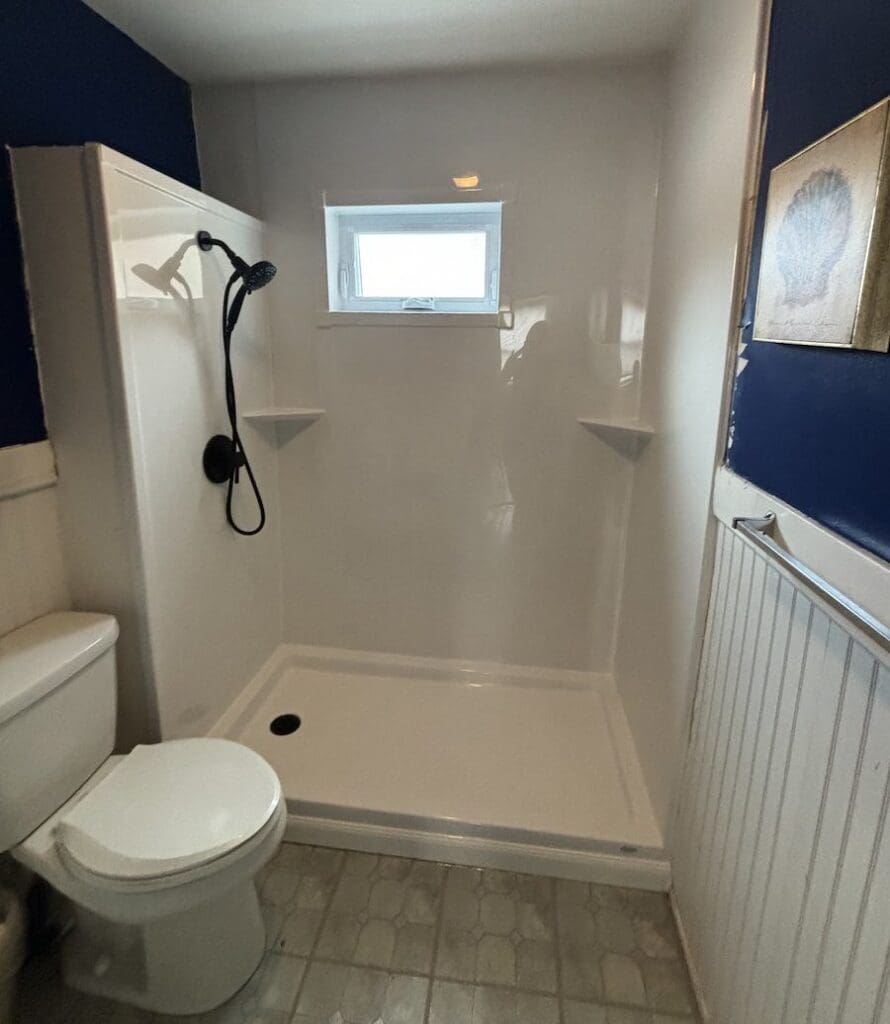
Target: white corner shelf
(627, 437)
(283, 414)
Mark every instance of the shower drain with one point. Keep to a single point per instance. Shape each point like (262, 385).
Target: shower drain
(284, 725)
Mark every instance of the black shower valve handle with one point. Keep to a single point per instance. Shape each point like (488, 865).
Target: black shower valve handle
(223, 459)
(238, 460)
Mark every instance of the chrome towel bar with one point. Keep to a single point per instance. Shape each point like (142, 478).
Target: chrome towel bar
(758, 529)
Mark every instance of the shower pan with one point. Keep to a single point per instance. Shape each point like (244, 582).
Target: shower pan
(480, 764)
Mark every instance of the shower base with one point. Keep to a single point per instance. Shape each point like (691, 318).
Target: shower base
(463, 762)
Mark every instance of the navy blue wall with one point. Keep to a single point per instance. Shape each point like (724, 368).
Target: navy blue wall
(67, 76)
(812, 425)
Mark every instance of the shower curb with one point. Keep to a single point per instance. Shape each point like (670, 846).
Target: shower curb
(482, 852)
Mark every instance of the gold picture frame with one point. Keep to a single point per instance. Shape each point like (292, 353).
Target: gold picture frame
(825, 260)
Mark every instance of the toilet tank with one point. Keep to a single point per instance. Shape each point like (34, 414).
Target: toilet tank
(57, 714)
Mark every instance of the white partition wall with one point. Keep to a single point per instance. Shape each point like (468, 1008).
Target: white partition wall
(127, 318)
(709, 102)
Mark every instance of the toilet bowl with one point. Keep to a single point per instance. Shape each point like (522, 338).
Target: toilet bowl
(157, 849)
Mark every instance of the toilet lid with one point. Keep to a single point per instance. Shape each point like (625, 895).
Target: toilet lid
(170, 806)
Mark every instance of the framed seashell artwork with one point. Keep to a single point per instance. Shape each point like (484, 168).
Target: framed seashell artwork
(825, 261)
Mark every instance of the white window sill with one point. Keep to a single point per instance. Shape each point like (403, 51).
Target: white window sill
(337, 318)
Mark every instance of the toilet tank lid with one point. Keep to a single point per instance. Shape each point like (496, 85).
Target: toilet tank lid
(38, 657)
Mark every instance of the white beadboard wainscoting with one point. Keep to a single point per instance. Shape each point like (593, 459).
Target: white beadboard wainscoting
(782, 852)
(33, 580)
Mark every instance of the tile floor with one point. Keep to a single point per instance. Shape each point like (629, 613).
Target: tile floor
(359, 939)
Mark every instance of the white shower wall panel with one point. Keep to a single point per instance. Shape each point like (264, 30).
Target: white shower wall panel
(213, 597)
(449, 505)
(131, 360)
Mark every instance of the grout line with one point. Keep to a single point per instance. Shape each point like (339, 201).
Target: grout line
(432, 976)
(554, 915)
(450, 980)
(513, 989)
(440, 915)
(310, 956)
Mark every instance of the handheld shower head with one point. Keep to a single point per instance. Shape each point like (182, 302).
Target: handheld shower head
(260, 274)
(253, 276)
(225, 457)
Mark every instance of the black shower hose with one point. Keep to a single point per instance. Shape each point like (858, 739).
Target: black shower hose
(230, 316)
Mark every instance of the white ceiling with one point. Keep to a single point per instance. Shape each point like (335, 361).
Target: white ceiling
(229, 40)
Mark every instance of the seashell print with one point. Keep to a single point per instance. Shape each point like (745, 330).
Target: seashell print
(813, 235)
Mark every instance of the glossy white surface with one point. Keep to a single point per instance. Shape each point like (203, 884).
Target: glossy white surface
(207, 40)
(194, 960)
(57, 678)
(88, 427)
(684, 356)
(282, 414)
(39, 657)
(171, 355)
(448, 504)
(439, 748)
(626, 437)
(140, 899)
(170, 806)
(128, 340)
(196, 936)
(782, 843)
(194, 818)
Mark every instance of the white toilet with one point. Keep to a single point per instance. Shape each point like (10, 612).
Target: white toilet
(157, 849)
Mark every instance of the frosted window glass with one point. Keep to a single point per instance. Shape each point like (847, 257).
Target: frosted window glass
(429, 257)
(436, 265)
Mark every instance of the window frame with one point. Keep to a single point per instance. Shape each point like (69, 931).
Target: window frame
(344, 223)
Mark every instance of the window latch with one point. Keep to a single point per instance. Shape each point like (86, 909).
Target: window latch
(417, 303)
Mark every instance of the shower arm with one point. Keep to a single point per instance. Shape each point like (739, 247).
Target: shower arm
(206, 242)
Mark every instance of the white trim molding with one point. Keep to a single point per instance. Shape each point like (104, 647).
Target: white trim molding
(691, 965)
(25, 468)
(861, 576)
(343, 318)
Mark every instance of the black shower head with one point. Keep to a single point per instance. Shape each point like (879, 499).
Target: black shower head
(254, 277)
(260, 274)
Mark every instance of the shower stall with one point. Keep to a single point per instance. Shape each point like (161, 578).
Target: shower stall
(429, 639)
(483, 725)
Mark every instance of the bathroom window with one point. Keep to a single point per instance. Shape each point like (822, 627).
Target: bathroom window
(430, 258)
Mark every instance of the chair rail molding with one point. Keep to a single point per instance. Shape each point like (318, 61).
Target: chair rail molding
(25, 468)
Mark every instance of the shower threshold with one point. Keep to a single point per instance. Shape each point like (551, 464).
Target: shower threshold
(470, 763)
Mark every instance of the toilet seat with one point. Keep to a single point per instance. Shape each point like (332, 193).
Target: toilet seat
(167, 810)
